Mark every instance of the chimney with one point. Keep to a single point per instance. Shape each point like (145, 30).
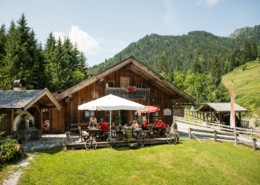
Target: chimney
(19, 85)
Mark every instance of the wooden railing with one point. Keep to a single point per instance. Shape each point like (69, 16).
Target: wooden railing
(140, 93)
(247, 136)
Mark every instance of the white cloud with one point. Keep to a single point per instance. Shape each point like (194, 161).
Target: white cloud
(60, 35)
(95, 49)
(170, 19)
(211, 2)
(200, 1)
(86, 43)
(208, 2)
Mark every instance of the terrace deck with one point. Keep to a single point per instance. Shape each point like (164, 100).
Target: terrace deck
(71, 143)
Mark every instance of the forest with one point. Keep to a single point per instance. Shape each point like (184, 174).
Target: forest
(194, 62)
(57, 65)
(181, 51)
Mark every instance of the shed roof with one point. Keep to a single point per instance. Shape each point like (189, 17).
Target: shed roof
(10, 99)
(221, 107)
(135, 65)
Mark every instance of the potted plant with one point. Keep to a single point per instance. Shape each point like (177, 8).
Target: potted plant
(119, 120)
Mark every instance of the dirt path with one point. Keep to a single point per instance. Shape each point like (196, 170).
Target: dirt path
(15, 175)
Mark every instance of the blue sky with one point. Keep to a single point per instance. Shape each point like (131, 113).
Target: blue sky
(102, 28)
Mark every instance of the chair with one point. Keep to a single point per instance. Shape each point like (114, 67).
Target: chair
(82, 134)
(104, 135)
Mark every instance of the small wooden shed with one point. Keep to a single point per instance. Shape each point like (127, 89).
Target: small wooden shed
(220, 112)
(178, 110)
(14, 102)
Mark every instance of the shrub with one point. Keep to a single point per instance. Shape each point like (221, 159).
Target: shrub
(244, 67)
(7, 145)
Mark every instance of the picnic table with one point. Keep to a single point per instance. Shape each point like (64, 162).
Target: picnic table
(96, 132)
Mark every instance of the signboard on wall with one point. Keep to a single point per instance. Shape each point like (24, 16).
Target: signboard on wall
(167, 112)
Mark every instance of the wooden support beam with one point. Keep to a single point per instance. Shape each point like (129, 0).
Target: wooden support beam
(12, 121)
(41, 118)
(152, 82)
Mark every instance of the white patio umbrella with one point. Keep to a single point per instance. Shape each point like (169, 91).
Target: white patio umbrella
(111, 102)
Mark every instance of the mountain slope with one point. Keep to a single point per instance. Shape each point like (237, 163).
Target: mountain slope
(180, 51)
(245, 32)
(246, 86)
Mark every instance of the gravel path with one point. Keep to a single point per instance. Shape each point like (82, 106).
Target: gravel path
(14, 177)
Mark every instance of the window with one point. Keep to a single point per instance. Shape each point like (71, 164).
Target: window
(139, 85)
(110, 84)
(89, 113)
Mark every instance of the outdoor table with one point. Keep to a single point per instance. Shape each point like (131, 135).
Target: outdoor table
(155, 128)
(126, 128)
(93, 131)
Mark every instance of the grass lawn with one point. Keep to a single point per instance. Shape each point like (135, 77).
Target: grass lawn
(188, 162)
(246, 86)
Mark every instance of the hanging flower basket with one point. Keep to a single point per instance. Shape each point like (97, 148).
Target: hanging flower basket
(129, 89)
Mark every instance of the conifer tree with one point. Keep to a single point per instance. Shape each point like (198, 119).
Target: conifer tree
(162, 66)
(15, 59)
(196, 67)
(216, 72)
(2, 42)
(83, 67)
(248, 54)
(255, 51)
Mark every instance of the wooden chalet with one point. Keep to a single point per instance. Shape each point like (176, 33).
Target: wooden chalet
(152, 89)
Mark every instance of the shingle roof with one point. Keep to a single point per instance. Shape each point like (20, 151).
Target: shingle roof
(10, 99)
(222, 107)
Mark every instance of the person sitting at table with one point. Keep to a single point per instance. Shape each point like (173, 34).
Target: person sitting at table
(92, 121)
(163, 127)
(104, 126)
(135, 126)
(144, 125)
(156, 123)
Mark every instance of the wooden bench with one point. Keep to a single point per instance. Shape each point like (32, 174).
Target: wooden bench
(74, 126)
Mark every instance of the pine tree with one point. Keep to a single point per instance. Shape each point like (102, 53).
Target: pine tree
(248, 54)
(83, 66)
(2, 42)
(255, 50)
(16, 56)
(216, 72)
(196, 67)
(162, 66)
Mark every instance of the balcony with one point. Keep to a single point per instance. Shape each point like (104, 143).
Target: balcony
(140, 93)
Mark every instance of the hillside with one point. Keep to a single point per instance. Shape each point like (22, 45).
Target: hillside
(180, 51)
(245, 32)
(246, 86)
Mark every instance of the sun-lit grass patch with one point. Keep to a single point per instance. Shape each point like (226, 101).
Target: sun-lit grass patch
(189, 162)
(246, 86)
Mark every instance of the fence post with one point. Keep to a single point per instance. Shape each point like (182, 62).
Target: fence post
(235, 134)
(254, 143)
(251, 132)
(195, 121)
(215, 135)
(189, 133)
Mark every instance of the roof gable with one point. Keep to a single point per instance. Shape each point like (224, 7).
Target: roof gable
(10, 99)
(141, 69)
(221, 107)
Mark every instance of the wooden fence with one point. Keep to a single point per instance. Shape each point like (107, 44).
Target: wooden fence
(220, 131)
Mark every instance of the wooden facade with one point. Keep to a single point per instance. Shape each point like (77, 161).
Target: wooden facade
(153, 90)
